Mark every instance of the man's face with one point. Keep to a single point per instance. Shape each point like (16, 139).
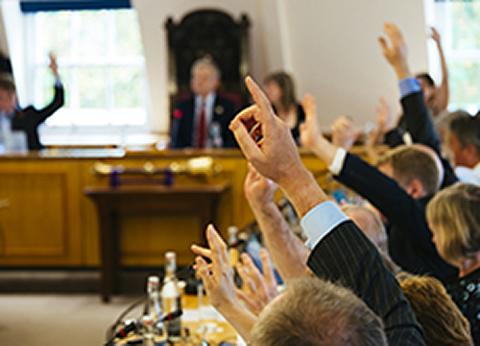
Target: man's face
(204, 80)
(7, 101)
(458, 152)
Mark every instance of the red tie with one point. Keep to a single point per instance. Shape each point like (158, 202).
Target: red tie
(202, 127)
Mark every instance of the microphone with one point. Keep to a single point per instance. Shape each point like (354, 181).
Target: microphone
(122, 332)
(172, 315)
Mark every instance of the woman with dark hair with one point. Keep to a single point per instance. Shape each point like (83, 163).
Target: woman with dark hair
(280, 90)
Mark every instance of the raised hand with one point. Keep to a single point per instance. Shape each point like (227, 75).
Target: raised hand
(259, 190)
(218, 281)
(309, 130)
(310, 135)
(266, 140)
(344, 134)
(258, 289)
(395, 50)
(268, 145)
(384, 116)
(218, 276)
(53, 66)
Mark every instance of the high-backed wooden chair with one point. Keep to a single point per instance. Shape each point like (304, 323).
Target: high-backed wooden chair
(212, 33)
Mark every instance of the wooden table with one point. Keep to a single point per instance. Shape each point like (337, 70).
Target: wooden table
(114, 202)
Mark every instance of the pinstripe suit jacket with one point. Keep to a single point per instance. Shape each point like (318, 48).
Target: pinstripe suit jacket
(345, 256)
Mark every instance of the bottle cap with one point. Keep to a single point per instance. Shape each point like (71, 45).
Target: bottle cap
(170, 256)
(153, 280)
(147, 320)
(232, 230)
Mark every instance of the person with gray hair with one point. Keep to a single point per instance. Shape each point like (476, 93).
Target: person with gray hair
(201, 121)
(464, 146)
(294, 317)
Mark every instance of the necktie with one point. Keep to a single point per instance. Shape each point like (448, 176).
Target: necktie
(202, 128)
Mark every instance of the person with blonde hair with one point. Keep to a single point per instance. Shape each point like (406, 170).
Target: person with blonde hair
(454, 218)
(443, 323)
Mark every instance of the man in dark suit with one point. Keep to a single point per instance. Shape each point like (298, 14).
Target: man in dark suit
(29, 119)
(202, 120)
(417, 120)
(341, 252)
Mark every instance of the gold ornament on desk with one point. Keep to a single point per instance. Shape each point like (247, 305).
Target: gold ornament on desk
(203, 167)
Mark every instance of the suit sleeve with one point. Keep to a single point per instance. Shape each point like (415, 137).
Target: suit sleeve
(347, 257)
(384, 193)
(419, 121)
(422, 129)
(57, 103)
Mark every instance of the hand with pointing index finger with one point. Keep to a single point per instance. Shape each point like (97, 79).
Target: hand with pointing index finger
(275, 155)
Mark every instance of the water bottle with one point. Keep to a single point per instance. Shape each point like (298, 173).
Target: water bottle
(153, 306)
(233, 252)
(148, 331)
(171, 299)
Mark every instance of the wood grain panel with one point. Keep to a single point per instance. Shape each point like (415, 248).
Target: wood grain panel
(40, 224)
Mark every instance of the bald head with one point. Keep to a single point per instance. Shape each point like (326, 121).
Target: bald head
(369, 222)
(315, 312)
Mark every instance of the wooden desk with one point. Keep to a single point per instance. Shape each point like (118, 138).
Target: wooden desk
(47, 221)
(111, 203)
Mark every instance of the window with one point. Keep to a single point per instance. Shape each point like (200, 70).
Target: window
(459, 23)
(101, 63)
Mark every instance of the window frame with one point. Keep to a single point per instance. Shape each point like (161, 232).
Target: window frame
(34, 61)
(441, 17)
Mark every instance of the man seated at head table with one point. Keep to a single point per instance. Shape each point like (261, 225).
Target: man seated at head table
(340, 253)
(19, 127)
(202, 120)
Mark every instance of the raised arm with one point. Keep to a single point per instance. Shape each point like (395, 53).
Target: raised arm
(288, 252)
(381, 191)
(218, 280)
(59, 94)
(442, 94)
(346, 249)
(418, 119)
(273, 153)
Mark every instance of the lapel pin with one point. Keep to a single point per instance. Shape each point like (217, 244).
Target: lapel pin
(219, 110)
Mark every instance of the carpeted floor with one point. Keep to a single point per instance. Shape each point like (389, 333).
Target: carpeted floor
(57, 320)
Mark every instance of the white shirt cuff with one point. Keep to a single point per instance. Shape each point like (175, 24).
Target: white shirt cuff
(321, 220)
(338, 161)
